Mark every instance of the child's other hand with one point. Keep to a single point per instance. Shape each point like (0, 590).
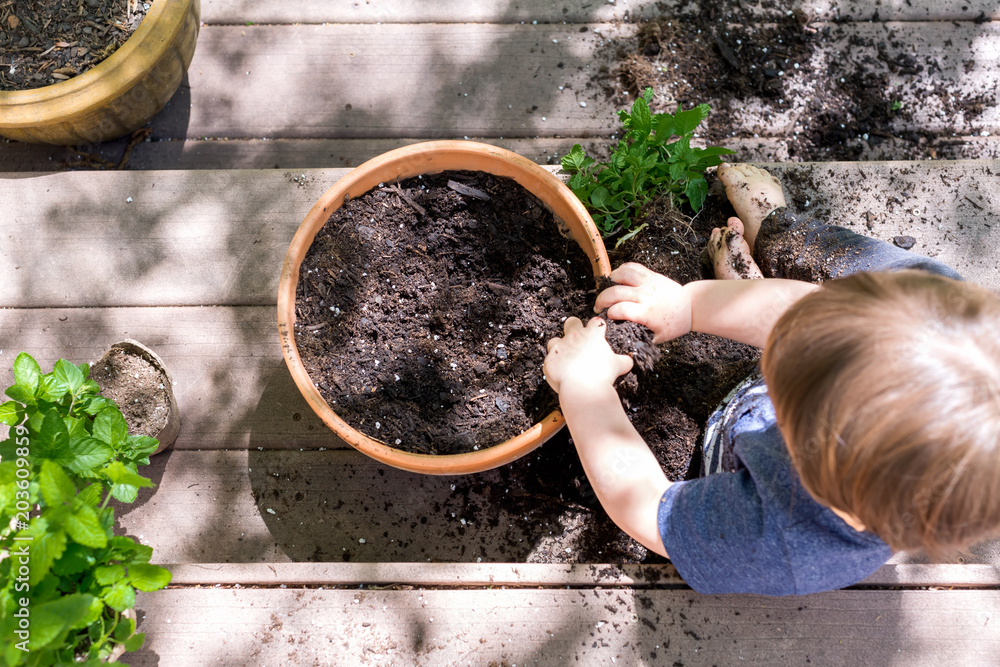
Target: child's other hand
(649, 299)
(583, 357)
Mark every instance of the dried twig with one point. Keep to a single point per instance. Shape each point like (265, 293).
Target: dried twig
(402, 195)
(468, 191)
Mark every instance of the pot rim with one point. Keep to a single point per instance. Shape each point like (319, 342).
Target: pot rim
(119, 71)
(395, 165)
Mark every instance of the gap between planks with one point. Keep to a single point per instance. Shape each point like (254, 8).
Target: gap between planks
(462, 575)
(239, 12)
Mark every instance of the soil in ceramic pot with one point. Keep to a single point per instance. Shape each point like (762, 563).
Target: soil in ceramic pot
(138, 388)
(43, 42)
(423, 310)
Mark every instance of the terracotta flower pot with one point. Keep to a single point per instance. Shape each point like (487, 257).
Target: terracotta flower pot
(119, 94)
(428, 158)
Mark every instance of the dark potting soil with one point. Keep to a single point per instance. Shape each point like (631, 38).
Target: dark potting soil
(423, 310)
(43, 42)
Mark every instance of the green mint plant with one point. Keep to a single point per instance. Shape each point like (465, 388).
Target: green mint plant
(645, 165)
(65, 578)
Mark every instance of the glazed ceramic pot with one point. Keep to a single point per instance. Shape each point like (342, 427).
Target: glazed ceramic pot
(119, 94)
(428, 158)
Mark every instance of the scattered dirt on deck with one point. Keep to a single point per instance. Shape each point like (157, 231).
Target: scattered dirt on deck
(781, 82)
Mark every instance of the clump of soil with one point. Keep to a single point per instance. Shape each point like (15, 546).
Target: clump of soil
(423, 310)
(43, 42)
(137, 386)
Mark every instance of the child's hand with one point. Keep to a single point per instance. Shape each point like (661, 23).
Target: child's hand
(649, 299)
(583, 357)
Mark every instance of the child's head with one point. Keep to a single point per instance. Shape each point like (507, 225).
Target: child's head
(886, 388)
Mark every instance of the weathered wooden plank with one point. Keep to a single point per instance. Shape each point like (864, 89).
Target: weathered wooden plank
(150, 238)
(401, 80)
(340, 506)
(298, 154)
(232, 386)
(337, 505)
(282, 154)
(942, 575)
(219, 237)
(394, 80)
(524, 574)
(424, 574)
(526, 627)
(239, 12)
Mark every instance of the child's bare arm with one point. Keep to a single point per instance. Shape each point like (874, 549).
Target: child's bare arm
(741, 310)
(625, 475)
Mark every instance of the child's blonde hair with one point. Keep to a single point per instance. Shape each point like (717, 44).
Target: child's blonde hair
(886, 387)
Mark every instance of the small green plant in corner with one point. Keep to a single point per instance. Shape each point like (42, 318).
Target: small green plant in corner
(65, 578)
(645, 165)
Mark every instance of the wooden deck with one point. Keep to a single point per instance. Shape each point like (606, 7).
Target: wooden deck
(367, 564)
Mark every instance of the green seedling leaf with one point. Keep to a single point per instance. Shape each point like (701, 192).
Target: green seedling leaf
(641, 119)
(688, 121)
(148, 578)
(125, 493)
(142, 554)
(110, 427)
(88, 454)
(599, 197)
(120, 597)
(119, 473)
(124, 629)
(56, 486)
(696, 191)
(92, 405)
(52, 389)
(141, 445)
(84, 527)
(70, 374)
(135, 642)
(76, 558)
(11, 413)
(21, 395)
(27, 374)
(107, 575)
(574, 161)
(52, 441)
(50, 619)
(46, 547)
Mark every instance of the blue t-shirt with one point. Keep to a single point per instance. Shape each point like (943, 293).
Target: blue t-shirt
(757, 530)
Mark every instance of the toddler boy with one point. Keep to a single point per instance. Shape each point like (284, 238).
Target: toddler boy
(875, 427)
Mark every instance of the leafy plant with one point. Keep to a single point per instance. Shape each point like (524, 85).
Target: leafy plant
(645, 164)
(65, 578)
